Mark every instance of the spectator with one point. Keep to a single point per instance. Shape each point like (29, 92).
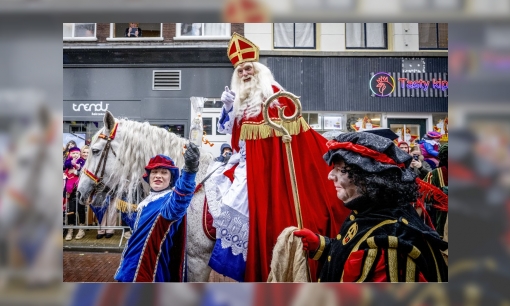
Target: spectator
(404, 146)
(418, 165)
(226, 150)
(109, 218)
(439, 178)
(81, 208)
(71, 179)
(84, 154)
(373, 179)
(68, 146)
(73, 161)
(133, 30)
(429, 146)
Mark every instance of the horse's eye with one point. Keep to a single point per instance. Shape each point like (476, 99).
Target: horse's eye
(95, 151)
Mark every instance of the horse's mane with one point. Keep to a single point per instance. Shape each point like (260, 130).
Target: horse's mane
(140, 142)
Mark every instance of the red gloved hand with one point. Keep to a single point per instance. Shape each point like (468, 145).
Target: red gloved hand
(310, 239)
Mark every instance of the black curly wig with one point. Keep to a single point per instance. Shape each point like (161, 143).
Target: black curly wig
(386, 187)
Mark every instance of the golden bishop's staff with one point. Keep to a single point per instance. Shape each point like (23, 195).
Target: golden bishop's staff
(286, 138)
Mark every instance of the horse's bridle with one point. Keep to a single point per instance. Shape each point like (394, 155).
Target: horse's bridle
(98, 181)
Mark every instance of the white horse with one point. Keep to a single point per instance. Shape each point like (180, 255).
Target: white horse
(133, 144)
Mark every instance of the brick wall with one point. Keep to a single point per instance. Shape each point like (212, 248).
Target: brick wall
(169, 32)
(103, 31)
(237, 27)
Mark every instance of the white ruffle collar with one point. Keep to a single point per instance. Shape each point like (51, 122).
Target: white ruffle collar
(153, 195)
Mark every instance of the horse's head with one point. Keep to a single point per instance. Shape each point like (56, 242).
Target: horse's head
(100, 162)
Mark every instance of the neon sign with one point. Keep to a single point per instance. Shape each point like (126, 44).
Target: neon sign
(382, 84)
(421, 84)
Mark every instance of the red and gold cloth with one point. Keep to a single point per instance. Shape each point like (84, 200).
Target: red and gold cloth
(270, 199)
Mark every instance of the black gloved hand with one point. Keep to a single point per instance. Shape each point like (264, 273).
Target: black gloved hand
(191, 158)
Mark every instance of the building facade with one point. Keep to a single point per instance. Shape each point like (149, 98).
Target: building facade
(354, 76)
(146, 78)
(349, 76)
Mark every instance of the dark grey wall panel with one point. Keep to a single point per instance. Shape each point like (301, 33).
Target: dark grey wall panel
(342, 83)
(141, 56)
(172, 108)
(136, 83)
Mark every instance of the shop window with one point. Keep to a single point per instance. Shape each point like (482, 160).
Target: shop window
(79, 30)
(440, 122)
(333, 122)
(83, 129)
(433, 35)
(409, 133)
(366, 35)
(203, 30)
(208, 128)
(147, 31)
(360, 122)
(213, 103)
(77, 128)
(314, 120)
(294, 35)
(216, 127)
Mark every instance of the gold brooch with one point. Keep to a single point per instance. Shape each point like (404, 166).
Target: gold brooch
(351, 232)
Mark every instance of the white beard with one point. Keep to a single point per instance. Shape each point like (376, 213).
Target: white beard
(250, 99)
(251, 94)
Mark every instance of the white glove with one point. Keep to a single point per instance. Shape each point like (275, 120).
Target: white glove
(227, 97)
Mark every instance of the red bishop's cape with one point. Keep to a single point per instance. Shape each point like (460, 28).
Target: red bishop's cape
(270, 200)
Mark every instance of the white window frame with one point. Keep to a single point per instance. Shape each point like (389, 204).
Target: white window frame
(426, 116)
(385, 36)
(216, 139)
(179, 37)
(111, 38)
(81, 38)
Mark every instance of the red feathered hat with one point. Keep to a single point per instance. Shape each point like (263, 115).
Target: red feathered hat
(162, 161)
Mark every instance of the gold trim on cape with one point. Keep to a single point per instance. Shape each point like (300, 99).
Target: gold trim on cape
(410, 270)
(318, 253)
(369, 262)
(392, 258)
(124, 206)
(259, 130)
(435, 261)
(370, 231)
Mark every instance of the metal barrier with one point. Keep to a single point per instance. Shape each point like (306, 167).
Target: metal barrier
(123, 228)
(98, 227)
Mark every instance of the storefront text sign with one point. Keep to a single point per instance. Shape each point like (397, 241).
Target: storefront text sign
(417, 85)
(94, 110)
(422, 84)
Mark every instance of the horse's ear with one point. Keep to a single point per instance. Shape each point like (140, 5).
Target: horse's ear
(109, 121)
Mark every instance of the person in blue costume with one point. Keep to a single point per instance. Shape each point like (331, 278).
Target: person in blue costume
(154, 252)
(226, 150)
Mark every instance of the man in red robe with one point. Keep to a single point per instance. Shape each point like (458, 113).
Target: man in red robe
(251, 197)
